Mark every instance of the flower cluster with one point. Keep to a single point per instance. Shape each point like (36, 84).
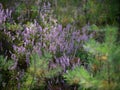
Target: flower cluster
(66, 40)
(64, 62)
(62, 42)
(4, 14)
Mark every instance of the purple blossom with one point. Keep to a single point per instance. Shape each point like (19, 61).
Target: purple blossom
(37, 49)
(84, 37)
(19, 49)
(4, 14)
(63, 61)
(65, 40)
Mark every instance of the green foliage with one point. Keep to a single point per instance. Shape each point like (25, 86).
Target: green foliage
(93, 28)
(110, 35)
(39, 71)
(21, 8)
(5, 64)
(95, 47)
(114, 55)
(34, 10)
(80, 76)
(13, 27)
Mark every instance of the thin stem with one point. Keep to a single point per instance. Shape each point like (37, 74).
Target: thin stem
(33, 73)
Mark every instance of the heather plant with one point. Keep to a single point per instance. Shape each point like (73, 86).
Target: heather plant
(22, 40)
(4, 14)
(55, 40)
(16, 31)
(46, 39)
(67, 40)
(32, 38)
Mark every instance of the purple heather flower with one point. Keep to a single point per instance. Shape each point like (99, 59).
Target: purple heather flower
(68, 27)
(84, 37)
(37, 49)
(19, 49)
(4, 14)
(8, 13)
(59, 28)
